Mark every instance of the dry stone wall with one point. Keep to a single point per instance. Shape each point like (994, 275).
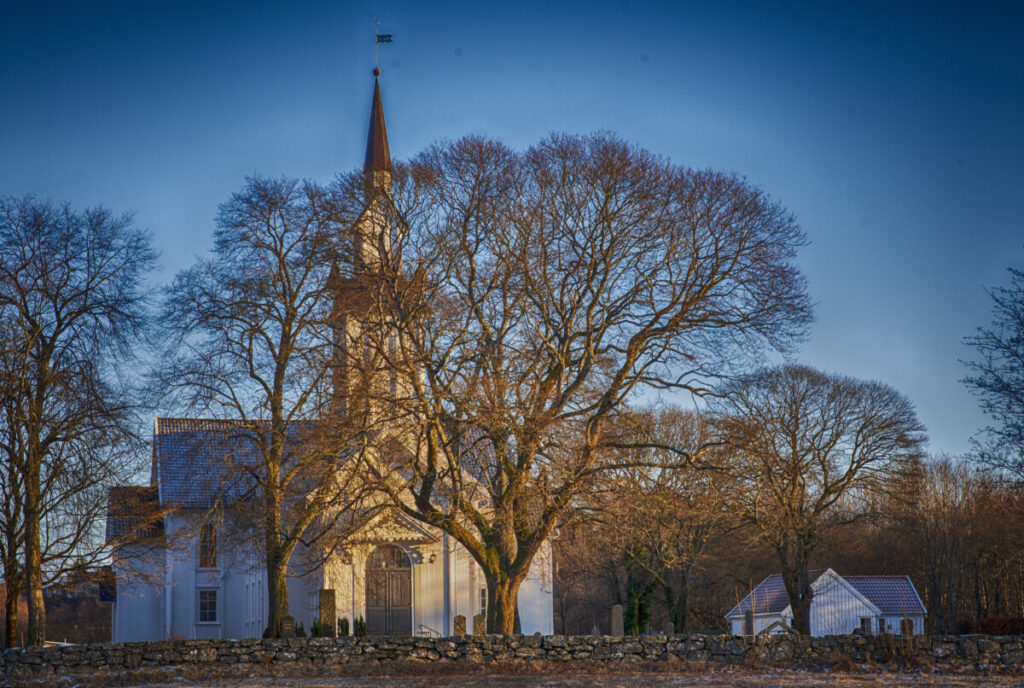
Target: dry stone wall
(773, 651)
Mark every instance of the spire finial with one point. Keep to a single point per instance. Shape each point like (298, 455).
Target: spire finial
(380, 38)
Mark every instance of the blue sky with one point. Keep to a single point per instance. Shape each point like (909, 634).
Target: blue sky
(893, 130)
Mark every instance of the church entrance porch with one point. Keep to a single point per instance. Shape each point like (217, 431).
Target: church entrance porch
(388, 592)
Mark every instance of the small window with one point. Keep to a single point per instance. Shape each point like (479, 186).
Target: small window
(881, 626)
(483, 601)
(865, 625)
(207, 606)
(208, 546)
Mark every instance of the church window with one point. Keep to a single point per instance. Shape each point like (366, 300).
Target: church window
(207, 546)
(207, 606)
(388, 557)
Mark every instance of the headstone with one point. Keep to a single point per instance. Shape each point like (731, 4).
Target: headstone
(748, 623)
(479, 624)
(328, 612)
(595, 630)
(618, 625)
(670, 628)
(287, 627)
(460, 625)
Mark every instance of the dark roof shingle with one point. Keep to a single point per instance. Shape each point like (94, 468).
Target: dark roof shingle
(770, 596)
(891, 594)
(133, 512)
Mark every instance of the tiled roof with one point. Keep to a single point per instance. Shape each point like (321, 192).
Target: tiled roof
(769, 597)
(133, 512)
(195, 460)
(891, 594)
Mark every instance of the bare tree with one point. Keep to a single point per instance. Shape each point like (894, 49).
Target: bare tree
(253, 346)
(803, 451)
(72, 308)
(530, 295)
(997, 377)
(663, 515)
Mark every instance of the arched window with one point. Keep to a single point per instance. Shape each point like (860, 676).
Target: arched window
(388, 557)
(208, 546)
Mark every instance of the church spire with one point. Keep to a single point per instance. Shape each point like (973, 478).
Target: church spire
(378, 158)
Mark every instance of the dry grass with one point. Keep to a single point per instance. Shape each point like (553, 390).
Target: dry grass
(513, 675)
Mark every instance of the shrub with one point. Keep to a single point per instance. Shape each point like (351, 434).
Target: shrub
(359, 627)
(1001, 625)
(343, 626)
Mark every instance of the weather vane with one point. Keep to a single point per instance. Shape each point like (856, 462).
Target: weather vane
(381, 38)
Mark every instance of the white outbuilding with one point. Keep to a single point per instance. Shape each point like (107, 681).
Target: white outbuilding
(840, 604)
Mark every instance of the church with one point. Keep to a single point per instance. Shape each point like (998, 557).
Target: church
(183, 576)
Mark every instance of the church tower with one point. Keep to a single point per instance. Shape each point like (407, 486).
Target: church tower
(364, 339)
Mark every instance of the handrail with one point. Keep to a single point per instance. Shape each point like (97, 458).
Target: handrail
(428, 631)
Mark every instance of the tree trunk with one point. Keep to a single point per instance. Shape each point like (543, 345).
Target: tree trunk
(277, 591)
(34, 562)
(502, 599)
(678, 606)
(13, 592)
(798, 587)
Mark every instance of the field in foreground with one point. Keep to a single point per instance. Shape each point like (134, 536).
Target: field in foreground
(710, 678)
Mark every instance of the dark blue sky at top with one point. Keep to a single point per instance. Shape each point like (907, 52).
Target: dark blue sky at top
(894, 131)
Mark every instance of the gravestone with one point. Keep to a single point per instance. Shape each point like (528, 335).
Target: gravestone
(287, 627)
(670, 628)
(460, 625)
(618, 625)
(479, 624)
(328, 612)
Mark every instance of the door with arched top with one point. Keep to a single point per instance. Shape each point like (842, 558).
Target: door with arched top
(388, 592)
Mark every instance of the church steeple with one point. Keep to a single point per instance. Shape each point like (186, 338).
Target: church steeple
(378, 157)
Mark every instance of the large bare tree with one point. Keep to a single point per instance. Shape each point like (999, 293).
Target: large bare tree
(803, 451)
(997, 377)
(253, 346)
(530, 295)
(72, 308)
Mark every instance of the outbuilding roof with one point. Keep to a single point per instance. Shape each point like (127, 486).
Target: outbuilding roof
(891, 594)
(770, 596)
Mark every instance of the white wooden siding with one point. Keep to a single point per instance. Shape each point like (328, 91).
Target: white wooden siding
(836, 608)
(138, 611)
(170, 609)
(536, 604)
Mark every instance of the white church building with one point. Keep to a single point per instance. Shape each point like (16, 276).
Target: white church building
(188, 575)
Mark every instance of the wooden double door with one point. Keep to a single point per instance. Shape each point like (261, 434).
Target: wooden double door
(388, 592)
